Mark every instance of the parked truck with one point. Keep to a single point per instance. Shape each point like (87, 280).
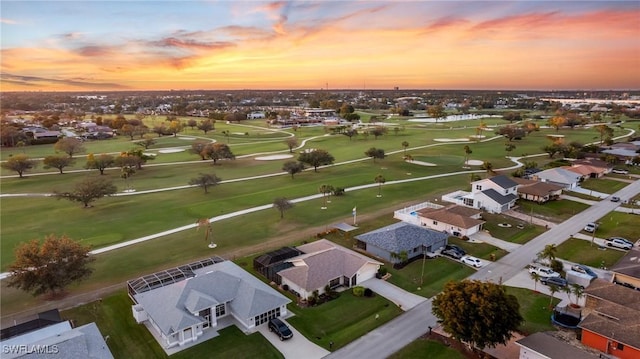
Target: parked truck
(581, 279)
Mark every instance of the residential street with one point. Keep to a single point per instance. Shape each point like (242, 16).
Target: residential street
(407, 327)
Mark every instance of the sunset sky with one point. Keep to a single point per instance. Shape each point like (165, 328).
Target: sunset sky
(341, 44)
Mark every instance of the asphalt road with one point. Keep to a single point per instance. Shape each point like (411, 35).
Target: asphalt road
(393, 336)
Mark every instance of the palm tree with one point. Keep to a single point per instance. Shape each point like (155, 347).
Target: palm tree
(405, 144)
(488, 167)
(577, 290)
(536, 278)
(379, 180)
(324, 189)
(204, 223)
(553, 289)
(549, 252)
(467, 152)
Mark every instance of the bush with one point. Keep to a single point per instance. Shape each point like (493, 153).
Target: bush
(339, 191)
(382, 271)
(465, 238)
(285, 287)
(358, 291)
(368, 293)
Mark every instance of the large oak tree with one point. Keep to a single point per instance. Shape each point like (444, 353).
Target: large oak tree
(69, 145)
(88, 190)
(316, 158)
(19, 163)
(476, 312)
(50, 266)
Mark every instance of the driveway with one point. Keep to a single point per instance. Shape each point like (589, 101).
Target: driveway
(296, 347)
(405, 300)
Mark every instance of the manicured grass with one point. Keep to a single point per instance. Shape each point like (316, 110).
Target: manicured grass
(535, 309)
(479, 250)
(437, 272)
(426, 348)
(127, 339)
(554, 211)
(619, 224)
(581, 251)
(513, 233)
(603, 185)
(342, 320)
(581, 195)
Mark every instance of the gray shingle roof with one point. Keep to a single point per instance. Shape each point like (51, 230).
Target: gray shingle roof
(503, 181)
(224, 282)
(551, 347)
(402, 236)
(501, 199)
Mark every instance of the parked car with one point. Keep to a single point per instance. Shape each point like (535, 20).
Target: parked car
(472, 261)
(557, 281)
(282, 330)
(619, 243)
(581, 268)
(590, 227)
(620, 171)
(543, 272)
(453, 251)
(615, 199)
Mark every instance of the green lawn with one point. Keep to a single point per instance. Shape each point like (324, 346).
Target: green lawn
(130, 340)
(554, 211)
(479, 250)
(618, 224)
(581, 251)
(603, 185)
(437, 272)
(342, 320)
(534, 308)
(513, 233)
(426, 348)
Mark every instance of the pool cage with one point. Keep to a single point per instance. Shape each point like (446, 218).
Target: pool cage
(168, 276)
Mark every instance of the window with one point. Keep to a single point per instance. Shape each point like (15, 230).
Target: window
(435, 223)
(620, 346)
(334, 282)
(479, 187)
(220, 310)
(206, 314)
(264, 317)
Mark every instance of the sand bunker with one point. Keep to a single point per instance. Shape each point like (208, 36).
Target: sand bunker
(273, 157)
(187, 138)
(172, 150)
(477, 137)
(421, 163)
(450, 139)
(474, 163)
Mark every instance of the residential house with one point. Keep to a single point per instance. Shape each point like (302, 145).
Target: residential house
(627, 270)
(456, 220)
(188, 304)
(269, 264)
(50, 336)
(496, 195)
(543, 345)
(325, 263)
(392, 242)
(540, 192)
(559, 176)
(611, 319)
(587, 171)
(624, 151)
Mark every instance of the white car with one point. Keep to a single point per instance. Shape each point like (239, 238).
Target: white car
(543, 272)
(472, 261)
(620, 171)
(590, 227)
(619, 243)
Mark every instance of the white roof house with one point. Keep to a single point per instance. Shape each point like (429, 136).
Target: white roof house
(559, 176)
(191, 309)
(496, 194)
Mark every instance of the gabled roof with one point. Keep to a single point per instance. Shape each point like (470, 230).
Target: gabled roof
(458, 216)
(551, 347)
(171, 306)
(499, 198)
(323, 262)
(559, 175)
(503, 181)
(629, 264)
(402, 236)
(536, 188)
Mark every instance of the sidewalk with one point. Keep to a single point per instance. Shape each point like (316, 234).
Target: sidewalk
(484, 237)
(403, 299)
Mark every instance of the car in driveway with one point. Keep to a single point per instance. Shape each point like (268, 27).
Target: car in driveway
(543, 272)
(620, 171)
(590, 227)
(619, 242)
(472, 261)
(282, 330)
(453, 251)
(581, 268)
(557, 281)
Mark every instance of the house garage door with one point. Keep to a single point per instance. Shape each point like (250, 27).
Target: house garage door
(264, 317)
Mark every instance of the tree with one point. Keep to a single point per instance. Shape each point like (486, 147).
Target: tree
(49, 267)
(88, 190)
(378, 131)
(605, 132)
(467, 152)
(510, 132)
(69, 145)
(480, 313)
(325, 189)
(552, 149)
(59, 162)
(198, 147)
(100, 162)
(577, 290)
(217, 151)
(128, 130)
(175, 127)
(509, 147)
(436, 111)
(553, 289)
(380, 181)
(316, 158)
(487, 166)
(146, 142)
(206, 126)
(292, 143)
(205, 181)
(405, 145)
(192, 123)
(350, 133)
(536, 278)
(375, 153)
(19, 163)
(548, 253)
(282, 204)
(293, 167)
(557, 122)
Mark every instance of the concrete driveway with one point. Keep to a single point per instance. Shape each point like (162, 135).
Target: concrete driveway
(296, 347)
(405, 300)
